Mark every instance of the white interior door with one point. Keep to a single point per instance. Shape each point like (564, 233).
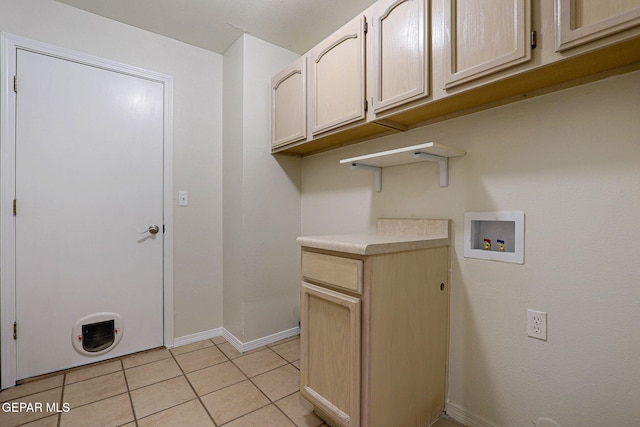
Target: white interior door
(89, 181)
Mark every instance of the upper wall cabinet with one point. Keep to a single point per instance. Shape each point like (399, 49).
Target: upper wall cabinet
(485, 36)
(337, 80)
(582, 21)
(289, 104)
(430, 60)
(400, 43)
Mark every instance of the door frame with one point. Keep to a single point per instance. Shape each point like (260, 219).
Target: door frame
(9, 44)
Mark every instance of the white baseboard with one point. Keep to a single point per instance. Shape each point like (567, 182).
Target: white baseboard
(235, 342)
(462, 416)
(199, 336)
(250, 345)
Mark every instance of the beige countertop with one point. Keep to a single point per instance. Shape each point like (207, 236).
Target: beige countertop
(393, 235)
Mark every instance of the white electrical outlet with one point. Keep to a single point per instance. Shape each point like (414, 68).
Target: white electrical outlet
(537, 324)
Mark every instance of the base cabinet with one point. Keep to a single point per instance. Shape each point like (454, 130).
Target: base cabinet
(376, 357)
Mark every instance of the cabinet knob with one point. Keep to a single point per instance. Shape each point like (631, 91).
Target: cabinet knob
(442, 286)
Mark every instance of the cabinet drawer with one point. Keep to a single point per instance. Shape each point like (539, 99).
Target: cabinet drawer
(345, 273)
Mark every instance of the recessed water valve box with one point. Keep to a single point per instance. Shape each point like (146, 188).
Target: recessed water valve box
(497, 236)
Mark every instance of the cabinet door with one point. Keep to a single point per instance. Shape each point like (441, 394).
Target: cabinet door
(337, 81)
(289, 104)
(399, 38)
(582, 21)
(330, 353)
(485, 36)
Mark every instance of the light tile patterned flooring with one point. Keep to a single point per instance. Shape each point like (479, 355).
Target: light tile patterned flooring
(208, 383)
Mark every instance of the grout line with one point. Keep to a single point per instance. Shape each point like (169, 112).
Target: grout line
(225, 387)
(30, 394)
(169, 407)
(191, 351)
(126, 382)
(88, 379)
(271, 402)
(206, 367)
(288, 395)
(146, 363)
(93, 378)
(191, 385)
(250, 412)
(64, 383)
(280, 409)
(157, 382)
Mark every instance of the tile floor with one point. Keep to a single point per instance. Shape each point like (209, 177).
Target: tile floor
(208, 383)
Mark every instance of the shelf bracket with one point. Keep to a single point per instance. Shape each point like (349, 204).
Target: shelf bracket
(443, 164)
(377, 173)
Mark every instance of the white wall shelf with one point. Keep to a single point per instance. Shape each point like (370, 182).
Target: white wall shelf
(429, 151)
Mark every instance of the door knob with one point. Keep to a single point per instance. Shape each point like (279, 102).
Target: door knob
(153, 229)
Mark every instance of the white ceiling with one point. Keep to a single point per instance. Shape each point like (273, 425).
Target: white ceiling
(297, 25)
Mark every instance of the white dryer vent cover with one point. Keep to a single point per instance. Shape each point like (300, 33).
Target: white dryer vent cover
(97, 333)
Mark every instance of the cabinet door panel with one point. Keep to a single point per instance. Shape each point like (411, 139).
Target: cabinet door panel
(399, 35)
(288, 105)
(582, 21)
(486, 36)
(330, 353)
(337, 78)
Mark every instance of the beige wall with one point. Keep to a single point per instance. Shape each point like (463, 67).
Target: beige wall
(261, 200)
(571, 161)
(197, 139)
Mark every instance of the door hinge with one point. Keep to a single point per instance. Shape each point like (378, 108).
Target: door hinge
(15, 84)
(15, 330)
(162, 228)
(15, 207)
(533, 39)
(365, 26)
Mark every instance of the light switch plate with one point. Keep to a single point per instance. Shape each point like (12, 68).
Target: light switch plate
(183, 198)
